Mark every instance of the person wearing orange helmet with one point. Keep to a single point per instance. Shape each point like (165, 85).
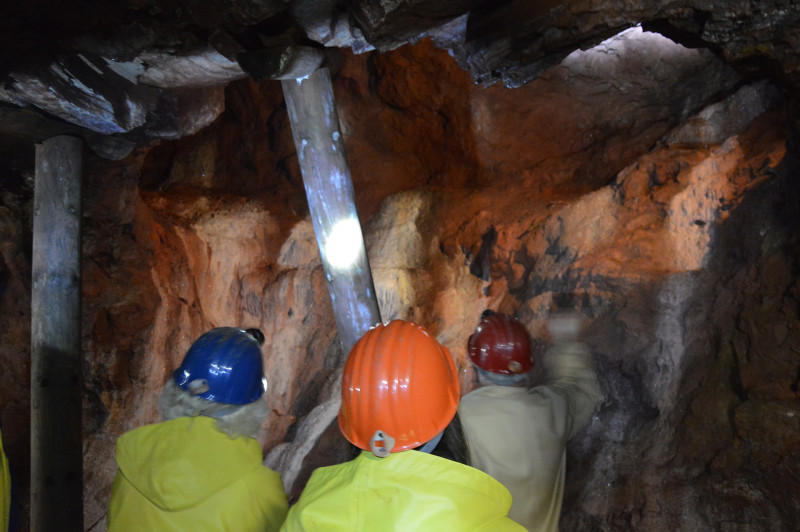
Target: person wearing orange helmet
(516, 433)
(400, 395)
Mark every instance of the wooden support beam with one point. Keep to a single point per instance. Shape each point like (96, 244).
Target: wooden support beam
(56, 366)
(331, 201)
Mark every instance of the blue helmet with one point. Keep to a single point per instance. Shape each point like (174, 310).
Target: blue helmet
(225, 366)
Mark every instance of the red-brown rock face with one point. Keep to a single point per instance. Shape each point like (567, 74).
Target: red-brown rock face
(640, 182)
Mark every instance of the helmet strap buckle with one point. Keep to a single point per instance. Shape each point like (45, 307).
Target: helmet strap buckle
(381, 444)
(431, 445)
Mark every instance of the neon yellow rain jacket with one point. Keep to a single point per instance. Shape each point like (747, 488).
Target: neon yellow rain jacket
(185, 475)
(409, 491)
(519, 436)
(5, 487)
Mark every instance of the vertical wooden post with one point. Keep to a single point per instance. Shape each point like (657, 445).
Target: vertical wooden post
(56, 368)
(329, 189)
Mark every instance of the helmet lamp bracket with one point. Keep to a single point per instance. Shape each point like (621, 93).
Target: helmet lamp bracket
(198, 386)
(381, 444)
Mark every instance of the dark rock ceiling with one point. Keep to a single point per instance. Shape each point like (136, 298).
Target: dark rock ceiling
(126, 72)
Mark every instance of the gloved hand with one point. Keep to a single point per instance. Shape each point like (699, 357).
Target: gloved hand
(565, 326)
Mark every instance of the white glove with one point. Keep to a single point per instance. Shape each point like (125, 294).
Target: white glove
(565, 326)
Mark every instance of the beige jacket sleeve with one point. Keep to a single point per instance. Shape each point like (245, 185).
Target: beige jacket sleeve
(571, 375)
(518, 436)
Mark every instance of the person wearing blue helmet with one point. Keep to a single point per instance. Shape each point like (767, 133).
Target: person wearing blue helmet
(201, 468)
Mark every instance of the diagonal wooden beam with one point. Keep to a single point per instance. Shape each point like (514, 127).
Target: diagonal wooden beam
(331, 202)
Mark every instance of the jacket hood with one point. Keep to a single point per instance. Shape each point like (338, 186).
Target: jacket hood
(409, 490)
(178, 464)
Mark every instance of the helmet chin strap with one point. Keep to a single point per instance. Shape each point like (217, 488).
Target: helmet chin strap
(431, 445)
(487, 378)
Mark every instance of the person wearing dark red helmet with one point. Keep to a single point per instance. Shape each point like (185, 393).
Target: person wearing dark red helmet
(517, 433)
(201, 468)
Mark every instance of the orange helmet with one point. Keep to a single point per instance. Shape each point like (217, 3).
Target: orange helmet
(501, 344)
(399, 389)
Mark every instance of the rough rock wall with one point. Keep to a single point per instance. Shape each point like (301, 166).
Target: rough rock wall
(15, 306)
(639, 182)
(699, 362)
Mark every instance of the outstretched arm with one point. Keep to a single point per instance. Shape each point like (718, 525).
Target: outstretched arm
(571, 372)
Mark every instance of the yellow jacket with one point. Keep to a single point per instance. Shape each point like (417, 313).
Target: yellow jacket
(409, 491)
(185, 474)
(519, 436)
(5, 487)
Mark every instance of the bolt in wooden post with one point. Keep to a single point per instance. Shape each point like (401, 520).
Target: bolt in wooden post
(56, 376)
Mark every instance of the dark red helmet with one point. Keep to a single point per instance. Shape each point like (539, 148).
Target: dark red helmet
(501, 344)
